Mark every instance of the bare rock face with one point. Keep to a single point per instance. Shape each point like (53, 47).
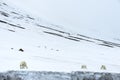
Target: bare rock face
(4, 76)
(33, 75)
(94, 76)
(36, 75)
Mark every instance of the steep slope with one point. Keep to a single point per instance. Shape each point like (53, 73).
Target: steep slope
(49, 47)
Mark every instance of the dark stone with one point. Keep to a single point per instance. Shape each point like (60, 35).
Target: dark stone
(106, 77)
(21, 50)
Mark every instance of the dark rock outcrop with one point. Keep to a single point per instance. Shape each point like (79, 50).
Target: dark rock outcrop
(94, 76)
(36, 75)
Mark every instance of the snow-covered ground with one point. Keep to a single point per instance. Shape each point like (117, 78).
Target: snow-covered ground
(49, 47)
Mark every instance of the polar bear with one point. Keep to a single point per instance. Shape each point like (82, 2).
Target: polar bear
(23, 65)
(103, 67)
(83, 67)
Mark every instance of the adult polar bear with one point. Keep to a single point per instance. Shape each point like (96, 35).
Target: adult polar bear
(23, 65)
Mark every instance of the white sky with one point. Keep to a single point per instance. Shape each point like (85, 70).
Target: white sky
(86, 16)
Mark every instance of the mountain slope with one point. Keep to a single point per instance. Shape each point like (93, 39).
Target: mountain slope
(50, 47)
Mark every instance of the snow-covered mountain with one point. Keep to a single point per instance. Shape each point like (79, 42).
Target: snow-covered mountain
(49, 47)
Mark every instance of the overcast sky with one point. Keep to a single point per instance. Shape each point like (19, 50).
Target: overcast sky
(97, 16)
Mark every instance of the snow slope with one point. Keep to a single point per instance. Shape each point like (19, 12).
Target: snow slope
(49, 47)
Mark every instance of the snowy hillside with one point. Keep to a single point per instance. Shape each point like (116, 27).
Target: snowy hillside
(49, 47)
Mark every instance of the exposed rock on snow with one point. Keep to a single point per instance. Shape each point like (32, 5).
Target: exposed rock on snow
(32, 75)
